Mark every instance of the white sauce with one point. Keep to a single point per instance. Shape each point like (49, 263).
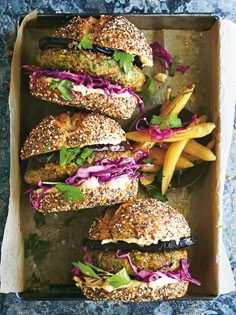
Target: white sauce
(141, 241)
(154, 285)
(118, 183)
(84, 91)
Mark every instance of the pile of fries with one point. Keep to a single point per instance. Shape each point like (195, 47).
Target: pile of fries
(180, 150)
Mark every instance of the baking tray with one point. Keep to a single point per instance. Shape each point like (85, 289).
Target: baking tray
(197, 24)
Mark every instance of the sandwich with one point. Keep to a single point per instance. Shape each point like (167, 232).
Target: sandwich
(93, 63)
(136, 252)
(77, 161)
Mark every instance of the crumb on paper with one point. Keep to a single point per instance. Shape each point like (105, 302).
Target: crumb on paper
(161, 77)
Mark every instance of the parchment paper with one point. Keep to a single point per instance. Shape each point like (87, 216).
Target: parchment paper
(211, 57)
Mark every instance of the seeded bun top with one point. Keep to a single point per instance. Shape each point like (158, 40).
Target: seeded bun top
(77, 130)
(110, 32)
(142, 221)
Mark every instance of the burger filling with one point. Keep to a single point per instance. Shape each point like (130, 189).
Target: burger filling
(162, 261)
(131, 270)
(94, 63)
(86, 167)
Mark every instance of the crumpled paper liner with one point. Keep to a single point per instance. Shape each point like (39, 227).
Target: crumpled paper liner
(222, 90)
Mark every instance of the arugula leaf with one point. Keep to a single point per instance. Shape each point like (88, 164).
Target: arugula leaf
(165, 123)
(151, 88)
(119, 279)
(156, 120)
(175, 121)
(46, 147)
(39, 219)
(36, 248)
(149, 160)
(174, 66)
(115, 280)
(98, 269)
(67, 155)
(69, 193)
(63, 87)
(124, 59)
(86, 270)
(54, 84)
(85, 42)
(155, 193)
(83, 156)
(172, 121)
(50, 157)
(148, 90)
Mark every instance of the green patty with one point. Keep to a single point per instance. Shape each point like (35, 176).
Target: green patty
(52, 171)
(107, 260)
(96, 64)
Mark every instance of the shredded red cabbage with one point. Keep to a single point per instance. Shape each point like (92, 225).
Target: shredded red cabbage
(165, 59)
(35, 203)
(155, 132)
(106, 170)
(140, 154)
(82, 78)
(180, 274)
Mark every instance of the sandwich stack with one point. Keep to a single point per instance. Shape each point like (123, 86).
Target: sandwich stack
(82, 160)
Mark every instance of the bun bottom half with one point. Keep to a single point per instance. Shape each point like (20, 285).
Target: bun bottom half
(138, 294)
(103, 195)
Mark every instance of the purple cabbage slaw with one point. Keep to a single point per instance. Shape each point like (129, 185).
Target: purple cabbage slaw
(155, 132)
(165, 59)
(180, 274)
(104, 170)
(83, 78)
(35, 203)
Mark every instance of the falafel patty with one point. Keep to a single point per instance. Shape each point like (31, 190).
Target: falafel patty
(46, 167)
(163, 261)
(94, 63)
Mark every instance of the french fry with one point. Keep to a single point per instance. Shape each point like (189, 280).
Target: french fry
(148, 179)
(159, 156)
(172, 155)
(196, 131)
(199, 151)
(142, 146)
(151, 168)
(211, 144)
(200, 120)
(179, 102)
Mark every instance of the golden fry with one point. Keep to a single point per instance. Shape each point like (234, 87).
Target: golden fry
(142, 146)
(148, 179)
(199, 151)
(210, 145)
(159, 156)
(151, 168)
(200, 120)
(196, 131)
(179, 102)
(171, 158)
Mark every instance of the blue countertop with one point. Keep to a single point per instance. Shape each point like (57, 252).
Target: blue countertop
(10, 10)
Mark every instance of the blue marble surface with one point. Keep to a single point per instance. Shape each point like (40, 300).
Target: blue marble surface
(10, 10)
